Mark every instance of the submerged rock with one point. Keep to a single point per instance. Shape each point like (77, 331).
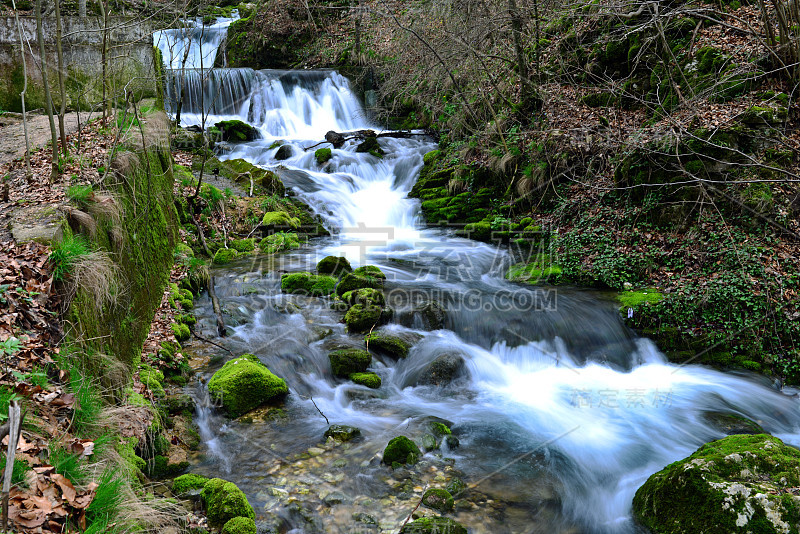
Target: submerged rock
(284, 152)
(223, 501)
(342, 432)
(742, 483)
(345, 362)
(438, 499)
(433, 525)
(401, 450)
(245, 383)
(732, 424)
(443, 370)
(432, 315)
(361, 318)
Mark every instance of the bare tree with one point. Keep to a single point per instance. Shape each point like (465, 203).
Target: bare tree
(61, 88)
(47, 96)
(24, 90)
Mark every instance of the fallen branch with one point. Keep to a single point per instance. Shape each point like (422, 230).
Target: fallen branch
(338, 139)
(320, 411)
(206, 340)
(202, 238)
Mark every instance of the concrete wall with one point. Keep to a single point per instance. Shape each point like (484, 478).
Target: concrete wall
(130, 53)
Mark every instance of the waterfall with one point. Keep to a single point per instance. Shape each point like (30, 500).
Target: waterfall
(194, 46)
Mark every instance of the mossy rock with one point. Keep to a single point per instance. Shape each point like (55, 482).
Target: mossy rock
(389, 345)
(153, 379)
(244, 246)
(371, 145)
(366, 296)
(345, 362)
(181, 332)
(731, 424)
(224, 501)
(315, 285)
(334, 265)
(241, 172)
(433, 525)
(439, 429)
(736, 484)
(323, 155)
(360, 318)
(224, 256)
(278, 242)
(188, 482)
(186, 318)
(401, 450)
(342, 432)
(368, 276)
(438, 499)
(284, 152)
(243, 384)
(371, 380)
(279, 220)
(239, 525)
(236, 131)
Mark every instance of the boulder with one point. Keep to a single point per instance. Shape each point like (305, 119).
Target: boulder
(438, 499)
(345, 362)
(342, 432)
(284, 152)
(240, 525)
(323, 155)
(235, 131)
(277, 220)
(367, 276)
(432, 315)
(224, 501)
(243, 384)
(188, 482)
(366, 296)
(371, 145)
(224, 256)
(731, 424)
(371, 380)
(443, 370)
(334, 265)
(738, 484)
(361, 318)
(401, 450)
(306, 283)
(391, 346)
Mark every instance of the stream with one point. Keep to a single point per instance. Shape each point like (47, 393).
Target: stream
(560, 410)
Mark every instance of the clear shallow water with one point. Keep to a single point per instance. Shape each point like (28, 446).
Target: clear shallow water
(562, 413)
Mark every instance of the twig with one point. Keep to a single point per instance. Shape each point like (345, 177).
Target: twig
(202, 237)
(206, 340)
(408, 518)
(317, 407)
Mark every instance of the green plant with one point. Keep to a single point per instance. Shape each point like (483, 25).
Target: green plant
(79, 194)
(37, 377)
(106, 502)
(66, 253)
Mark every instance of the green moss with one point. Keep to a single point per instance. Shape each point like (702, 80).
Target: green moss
(243, 384)
(187, 319)
(225, 255)
(239, 525)
(385, 344)
(714, 490)
(278, 242)
(280, 219)
(438, 499)
(345, 362)
(439, 429)
(366, 296)
(631, 299)
(323, 155)
(360, 318)
(334, 265)
(401, 450)
(371, 380)
(224, 501)
(244, 245)
(308, 284)
(368, 276)
(433, 525)
(371, 145)
(180, 331)
(540, 270)
(236, 131)
(242, 172)
(185, 483)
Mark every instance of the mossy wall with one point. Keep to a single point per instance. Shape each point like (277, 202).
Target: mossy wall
(141, 245)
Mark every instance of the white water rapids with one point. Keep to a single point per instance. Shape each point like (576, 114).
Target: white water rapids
(565, 386)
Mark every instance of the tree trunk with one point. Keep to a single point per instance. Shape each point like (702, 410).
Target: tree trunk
(24, 90)
(60, 54)
(104, 55)
(522, 65)
(47, 96)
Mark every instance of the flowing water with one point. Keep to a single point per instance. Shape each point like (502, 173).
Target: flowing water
(561, 411)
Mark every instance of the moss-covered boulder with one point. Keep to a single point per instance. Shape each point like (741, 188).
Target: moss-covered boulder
(443, 370)
(224, 256)
(368, 276)
(240, 525)
(323, 155)
(401, 450)
(242, 172)
(438, 499)
(236, 131)
(243, 384)
(181, 332)
(391, 346)
(243, 246)
(342, 432)
(223, 501)
(345, 362)
(741, 483)
(305, 283)
(433, 525)
(372, 146)
(334, 265)
(188, 482)
(276, 220)
(278, 242)
(360, 318)
(371, 380)
(366, 296)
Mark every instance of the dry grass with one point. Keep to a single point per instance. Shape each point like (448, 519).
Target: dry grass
(86, 224)
(104, 206)
(96, 274)
(117, 236)
(124, 163)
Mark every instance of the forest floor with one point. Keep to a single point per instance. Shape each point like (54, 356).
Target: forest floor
(12, 132)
